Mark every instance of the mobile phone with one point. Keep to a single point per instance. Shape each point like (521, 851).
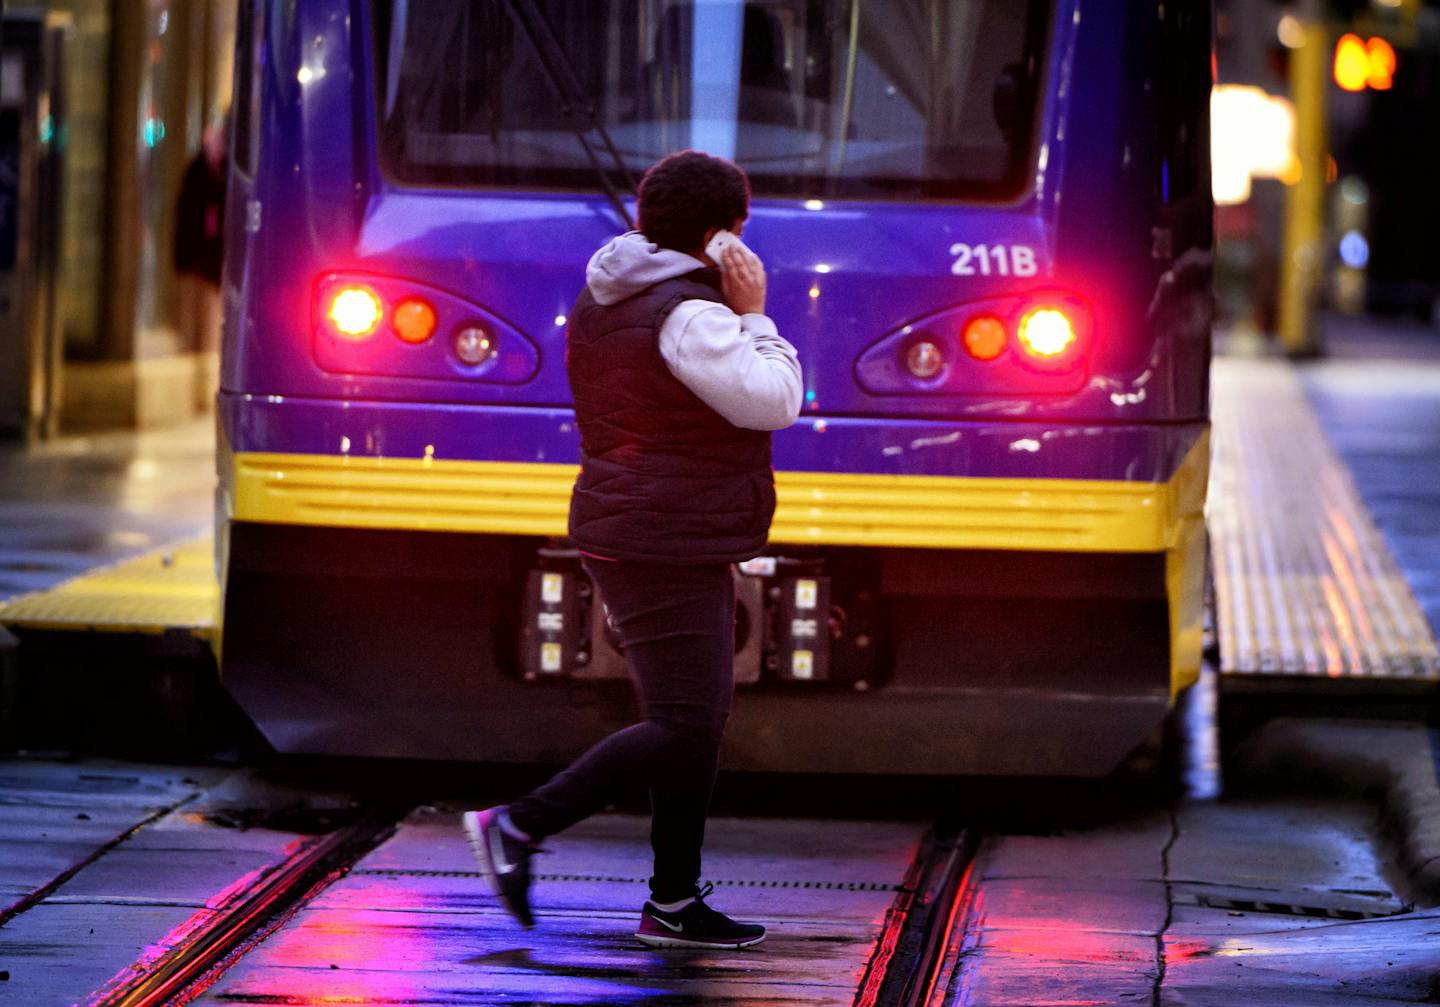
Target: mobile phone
(718, 244)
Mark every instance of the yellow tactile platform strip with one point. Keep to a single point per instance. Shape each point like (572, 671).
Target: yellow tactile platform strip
(169, 589)
(1305, 584)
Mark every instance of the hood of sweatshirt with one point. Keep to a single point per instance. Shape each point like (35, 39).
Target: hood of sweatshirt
(629, 264)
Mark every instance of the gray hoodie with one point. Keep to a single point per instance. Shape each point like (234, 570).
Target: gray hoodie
(736, 364)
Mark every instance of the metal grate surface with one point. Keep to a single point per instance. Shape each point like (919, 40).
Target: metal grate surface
(168, 589)
(1305, 584)
(1285, 907)
(831, 886)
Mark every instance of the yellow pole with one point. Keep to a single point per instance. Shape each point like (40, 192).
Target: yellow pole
(1410, 21)
(1302, 263)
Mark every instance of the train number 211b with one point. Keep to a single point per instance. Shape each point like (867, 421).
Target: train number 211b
(1005, 260)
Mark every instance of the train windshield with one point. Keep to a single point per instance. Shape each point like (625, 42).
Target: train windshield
(814, 98)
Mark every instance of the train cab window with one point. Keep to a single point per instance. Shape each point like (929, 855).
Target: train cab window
(847, 98)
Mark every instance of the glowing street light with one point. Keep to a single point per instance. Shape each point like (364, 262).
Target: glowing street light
(1252, 136)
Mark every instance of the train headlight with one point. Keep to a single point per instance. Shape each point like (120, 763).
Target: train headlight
(1046, 333)
(924, 359)
(356, 312)
(984, 337)
(474, 345)
(414, 320)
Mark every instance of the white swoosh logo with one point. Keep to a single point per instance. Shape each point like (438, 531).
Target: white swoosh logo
(676, 927)
(497, 853)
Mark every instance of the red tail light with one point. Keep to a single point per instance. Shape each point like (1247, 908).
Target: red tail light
(1046, 332)
(355, 312)
(1038, 342)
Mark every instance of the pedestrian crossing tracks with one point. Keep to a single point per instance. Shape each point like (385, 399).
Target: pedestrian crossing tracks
(1305, 588)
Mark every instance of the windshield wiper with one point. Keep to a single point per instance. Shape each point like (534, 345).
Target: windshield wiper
(573, 102)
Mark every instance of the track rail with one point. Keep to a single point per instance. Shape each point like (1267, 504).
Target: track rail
(204, 951)
(904, 970)
(906, 964)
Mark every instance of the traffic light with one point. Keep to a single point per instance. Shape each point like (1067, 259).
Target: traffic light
(1362, 63)
(1382, 63)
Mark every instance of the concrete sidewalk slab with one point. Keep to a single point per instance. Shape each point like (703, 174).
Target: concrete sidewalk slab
(59, 954)
(1119, 906)
(1309, 848)
(54, 816)
(1389, 960)
(1393, 765)
(1117, 913)
(1035, 985)
(1127, 849)
(1065, 919)
(148, 893)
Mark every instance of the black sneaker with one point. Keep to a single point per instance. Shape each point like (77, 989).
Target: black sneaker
(503, 859)
(695, 926)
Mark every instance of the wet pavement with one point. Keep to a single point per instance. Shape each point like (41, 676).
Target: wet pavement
(1279, 896)
(63, 829)
(1285, 901)
(54, 818)
(107, 866)
(414, 923)
(162, 856)
(1275, 900)
(79, 502)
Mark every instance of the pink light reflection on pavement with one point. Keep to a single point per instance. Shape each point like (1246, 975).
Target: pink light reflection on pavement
(156, 950)
(187, 929)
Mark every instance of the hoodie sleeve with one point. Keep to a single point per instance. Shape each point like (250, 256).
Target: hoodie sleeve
(736, 364)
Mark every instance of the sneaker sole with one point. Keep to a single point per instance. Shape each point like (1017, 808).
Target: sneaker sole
(680, 942)
(479, 849)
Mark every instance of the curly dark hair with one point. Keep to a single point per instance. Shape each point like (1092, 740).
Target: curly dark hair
(685, 194)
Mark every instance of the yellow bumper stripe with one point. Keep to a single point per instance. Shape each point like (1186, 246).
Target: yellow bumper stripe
(814, 507)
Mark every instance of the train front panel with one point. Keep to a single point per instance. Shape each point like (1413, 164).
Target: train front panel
(988, 551)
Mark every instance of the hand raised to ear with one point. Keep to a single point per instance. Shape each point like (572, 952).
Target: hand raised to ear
(742, 280)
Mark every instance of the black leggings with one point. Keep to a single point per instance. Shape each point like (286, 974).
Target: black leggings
(678, 627)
